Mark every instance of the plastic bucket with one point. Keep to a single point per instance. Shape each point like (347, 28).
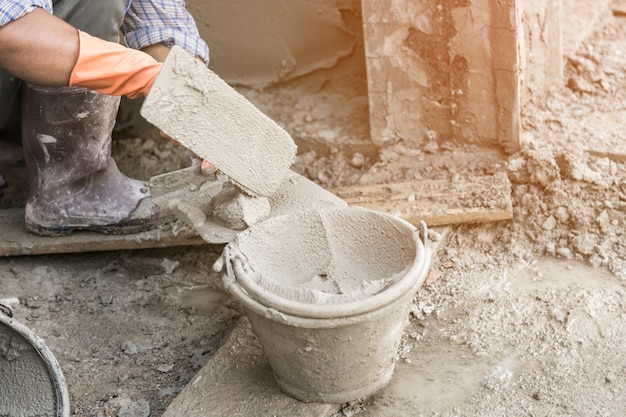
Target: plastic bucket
(328, 294)
(31, 381)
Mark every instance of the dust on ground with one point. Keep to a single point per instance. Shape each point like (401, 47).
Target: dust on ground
(524, 317)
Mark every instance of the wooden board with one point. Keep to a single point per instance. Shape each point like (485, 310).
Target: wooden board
(613, 156)
(438, 202)
(15, 240)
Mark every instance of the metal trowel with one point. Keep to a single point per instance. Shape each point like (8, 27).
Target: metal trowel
(195, 107)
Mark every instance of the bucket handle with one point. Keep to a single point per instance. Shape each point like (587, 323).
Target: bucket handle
(6, 310)
(422, 232)
(44, 352)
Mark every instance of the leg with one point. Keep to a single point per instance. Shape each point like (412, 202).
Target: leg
(129, 122)
(74, 182)
(10, 98)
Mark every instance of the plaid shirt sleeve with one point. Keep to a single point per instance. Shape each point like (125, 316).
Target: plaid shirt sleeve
(14, 9)
(148, 22)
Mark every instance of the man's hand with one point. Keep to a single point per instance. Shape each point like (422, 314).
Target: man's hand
(110, 68)
(205, 166)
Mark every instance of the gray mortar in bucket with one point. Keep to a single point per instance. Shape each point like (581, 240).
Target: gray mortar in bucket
(31, 381)
(328, 294)
(338, 258)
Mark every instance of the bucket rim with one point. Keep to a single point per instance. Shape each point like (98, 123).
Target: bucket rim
(267, 303)
(44, 352)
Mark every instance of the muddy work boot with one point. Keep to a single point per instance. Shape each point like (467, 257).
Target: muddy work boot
(74, 182)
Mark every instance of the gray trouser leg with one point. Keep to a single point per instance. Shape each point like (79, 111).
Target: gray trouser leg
(10, 99)
(100, 18)
(97, 17)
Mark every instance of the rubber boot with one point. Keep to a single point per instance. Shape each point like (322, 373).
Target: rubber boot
(74, 184)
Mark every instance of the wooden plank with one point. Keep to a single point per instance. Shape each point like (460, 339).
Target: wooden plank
(438, 202)
(458, 70)
(619, 157)
(15, 240)
(541, 60)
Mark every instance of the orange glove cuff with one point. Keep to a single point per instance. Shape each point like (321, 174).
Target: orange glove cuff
(113, 69)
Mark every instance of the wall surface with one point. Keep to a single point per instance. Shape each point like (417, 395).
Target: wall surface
(408, 70)
(540, 47)
(441, 70)
(262, 42)
(485, 75)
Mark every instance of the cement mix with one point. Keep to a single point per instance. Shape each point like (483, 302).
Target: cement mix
(319, 257)
(26, 386)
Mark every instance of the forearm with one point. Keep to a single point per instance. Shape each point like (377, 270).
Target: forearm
(42, 56)
(157, 51)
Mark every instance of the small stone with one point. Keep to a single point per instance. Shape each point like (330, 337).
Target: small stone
(106, 299)
(11, 302)
(32, 303)
(53, 308)
(358, 160)
(433, 275)
(169, 392)
(549, 224)
(135, 409)
(565, 253)
(165, 368)
(170, 266)
(130, 348)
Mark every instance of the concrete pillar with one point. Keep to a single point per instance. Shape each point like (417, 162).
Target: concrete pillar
(457, 70)
(408, 69)
(541, 55)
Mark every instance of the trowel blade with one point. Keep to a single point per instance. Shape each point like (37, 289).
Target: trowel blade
(198, 109)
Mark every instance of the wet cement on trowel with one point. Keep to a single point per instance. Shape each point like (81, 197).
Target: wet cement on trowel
(26, 388)
(326, 256)
(193, 105)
